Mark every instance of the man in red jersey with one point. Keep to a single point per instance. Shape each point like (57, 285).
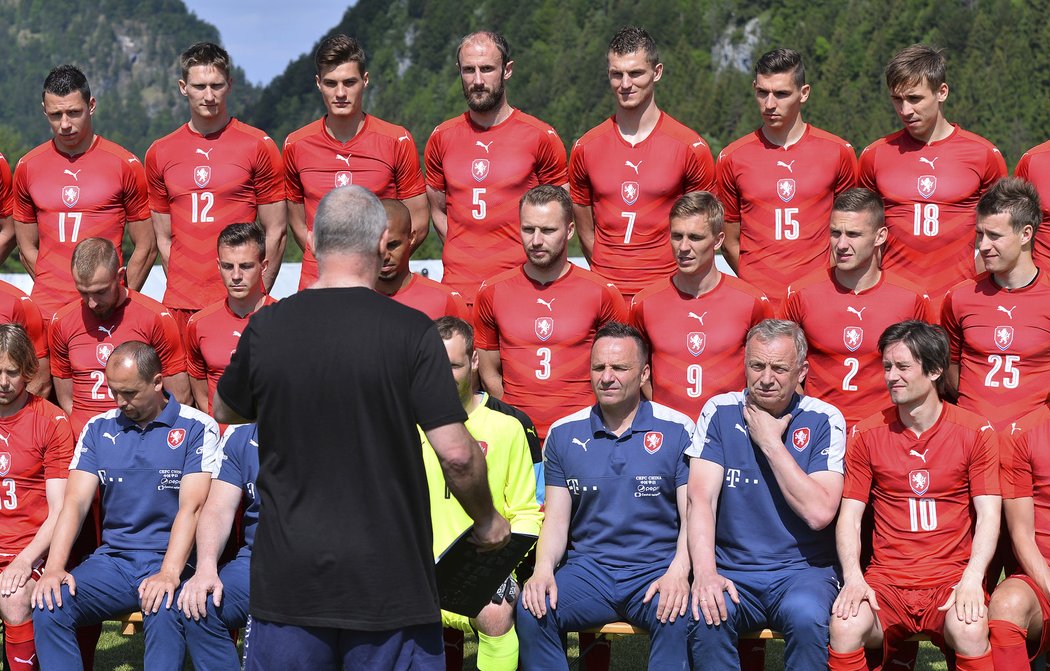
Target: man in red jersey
(777, 183)
(84, 333)
(480, 163)
(37, 446)
(1034, 166)
(696, 321)
(930, 176)
(998, 323)
(534, 324)
(625, 173)
(397, 281)
(17, 308)
(842, 310)
(7, 207)
(347, 146)
(211, 172)
(79, 185)
(931, 471)
(1019, 612)
(212, 334)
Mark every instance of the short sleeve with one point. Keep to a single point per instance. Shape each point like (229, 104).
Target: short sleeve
(24, 207)
(268, 173)
(59, 348)
(983, 464)
(699, 168)
(952, 327)
(7, 191)
(553, 472)
(846, 175)
(136, 199)
(168, 343)
(551, 160)
(866, 169)
(202, 454)
(433, 157)
(196, 367)
(293, 185)
(579, 180)
(408, 176)
(28, 315)
(728, 193)
(231, 454)
(58, 446)
(155, 185)
(486, 331)
(1015, 474)
(858, 481)
(613, 308)
(707, 442)
(235, 388)
(434, 399)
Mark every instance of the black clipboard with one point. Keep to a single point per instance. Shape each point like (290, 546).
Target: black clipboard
(467, 579)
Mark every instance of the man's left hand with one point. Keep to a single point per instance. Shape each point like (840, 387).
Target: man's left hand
(153, 589)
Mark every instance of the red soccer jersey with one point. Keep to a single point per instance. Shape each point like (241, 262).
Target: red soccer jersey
(1034, 166)
(697, 343)
(382, 158)
(211, 337)
(631, 189)
(1025, 469)
(544, 333)
(72, 198)
(17, 308)
(930, 192)
(36, 445)
(783, 214)
(81, 345)
(843, 329)
(1004, 373)
(484, 172)
(206, 182)
(7, 191)
(921, 489)
(433, 299)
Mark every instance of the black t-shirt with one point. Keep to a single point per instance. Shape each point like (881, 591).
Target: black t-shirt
(337, 380)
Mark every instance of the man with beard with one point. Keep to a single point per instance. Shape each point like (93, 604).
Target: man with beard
(480, 163)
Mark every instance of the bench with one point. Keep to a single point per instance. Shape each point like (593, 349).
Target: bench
(131, 623)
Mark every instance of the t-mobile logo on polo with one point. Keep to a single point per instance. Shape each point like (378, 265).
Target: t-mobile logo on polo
(733, 476)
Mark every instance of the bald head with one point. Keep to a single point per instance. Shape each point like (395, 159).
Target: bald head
(135, 355)
(349, 220)
(398, 218)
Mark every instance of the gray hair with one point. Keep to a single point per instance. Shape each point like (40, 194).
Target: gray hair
(349, 220)
(768, 330)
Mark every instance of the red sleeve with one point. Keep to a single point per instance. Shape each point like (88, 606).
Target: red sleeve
(984, 464)
(486, 334)
(7, 193)
(762, 309)
(551, 160)
(866, 170)
(195, 365)
(1015, 474)
(847, 173)
(857, 484)
(27, 314)
(791, 308)
(293, 186)
(268, 169)
(924, 309)
(953, 328)
(457, 306)
(157, 189)
(58, 447)
(579, 182)
(433, 154)
(1023, 166)
(994, 169)
(168, 343)
(700, 169)
(59, 350)
(136, 201)
(614, 308)
(25, 208)
(408, 176)
(636, 316)
(726, 187)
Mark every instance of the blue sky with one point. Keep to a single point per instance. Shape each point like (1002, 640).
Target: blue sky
(264, 35)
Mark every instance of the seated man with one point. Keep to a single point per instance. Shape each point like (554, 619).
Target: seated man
(931, 471)
(153, 459)
(615, 491)
(215, 601)
(765, 478)
(513, 485)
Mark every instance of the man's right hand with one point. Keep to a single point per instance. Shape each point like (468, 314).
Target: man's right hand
(534, 594)
(48, 590)
(709, 599)
(853, 593)
(491, 535)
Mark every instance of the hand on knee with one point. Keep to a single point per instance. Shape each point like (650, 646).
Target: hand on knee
(855, 631)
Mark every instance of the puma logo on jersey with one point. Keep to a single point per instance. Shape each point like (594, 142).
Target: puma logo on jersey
(986, 427)
(632, 166)
(5, 439)
(112, 438)
(550, 131)
(403, 138)
(850, 308)
(921, 455)
(28, 662)
(740, 429)
(581, 443)
(107, 331)
(1013, 428)
(697, 144)
(205, 154)
(72, 174)
(236, 334)
(923, 159)
(781, 164)
(479, 143)
(1009, 313)
(344, 159)
(549, 304)
(699, 318)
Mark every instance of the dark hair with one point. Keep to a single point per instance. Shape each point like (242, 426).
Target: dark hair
(497, 39)
(912, 65)
(859, 199)
(337, 49)
(65, 79)
(396, 211)
(700, 204)
(205, 53)
(781, 61)
(15, 343)
(90, 255)
(621, 330)
(1016, 197)
(630, 39)
(928, 343)
(548, 193)
(147, 363)
(449, 326)
(236, 235)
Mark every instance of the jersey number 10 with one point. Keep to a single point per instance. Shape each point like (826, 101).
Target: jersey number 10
(923, 514)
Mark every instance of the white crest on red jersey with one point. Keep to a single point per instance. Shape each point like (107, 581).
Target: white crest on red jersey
(70, 195)
(629, 192)
(205, 154)
(695, 342)
(102, 352)
(484, 447)
(926, 185)
(852, 337)
(800, 438)
(479, 168)
(1004, 336)
(919, 481)
(344, 178)
(652, 441)
(175, 437)
(786, 189)
(544, 327)
(202, 175)
(5, 463)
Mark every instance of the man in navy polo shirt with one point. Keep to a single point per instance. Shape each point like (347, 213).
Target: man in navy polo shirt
(153, 459)
(615, 488)
(765, 480)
